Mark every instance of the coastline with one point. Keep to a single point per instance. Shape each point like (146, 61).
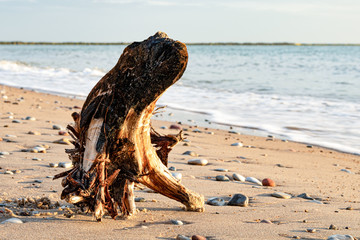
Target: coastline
(295, 167)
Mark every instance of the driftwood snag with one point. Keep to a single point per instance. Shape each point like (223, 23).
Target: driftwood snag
(115, 145)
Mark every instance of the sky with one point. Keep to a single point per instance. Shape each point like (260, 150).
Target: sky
(299, 21)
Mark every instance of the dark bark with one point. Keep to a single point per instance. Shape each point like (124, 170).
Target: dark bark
(114, 143)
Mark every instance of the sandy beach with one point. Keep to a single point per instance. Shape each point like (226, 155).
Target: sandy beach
(329, 178)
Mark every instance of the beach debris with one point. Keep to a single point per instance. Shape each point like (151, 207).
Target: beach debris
(198, 237)
(347, 171)
(64, 141)
(222, 178)
(176, 127)
(221, 170)
(268, 182)
(182, 237)
(12, 220)
(176, 222)
(239, 200)
(237, 144)
(8, 172)
(238, 177)
(191, 153)
(177, 175)
(253, 180)
(114, 142)
(281, 195)
(216, 201)
(340, 237)
(57, 127)
(198, 161)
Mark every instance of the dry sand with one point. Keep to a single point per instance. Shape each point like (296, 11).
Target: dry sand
(294, 167)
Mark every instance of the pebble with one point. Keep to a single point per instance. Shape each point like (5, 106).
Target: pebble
(163, 127)
(10, 136)
(38, 149)
(190, 153)
(237, 144)
(253, 180)
(57, 127)
(8, 172)
(238, 177)
(347, 171)
(34, 133)
(222, 178)
(197, 130)
(16, 121)
(12, 220)
(65, 164)
(177, 222)
(182, 237)
(239, 200)
(210, 133)
(333, 227)
(140, 199)
(30, 118)
(16, 171)
(266, 221)
(53, 165)
(198, 161)
(340, 237)
(177, 176)
(63, 133)
(216, 201)
(38, 181)
(316, 201)
(268, 182)
(4, 153)
(221, 170)
(173, 126)
(63, 141)
(234, 132)
(305, 196)
(36, 159)
(198, 237)
(281, 195)
(311, 230)
(172, 168)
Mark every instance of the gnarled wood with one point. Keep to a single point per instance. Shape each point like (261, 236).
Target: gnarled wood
(114, 143)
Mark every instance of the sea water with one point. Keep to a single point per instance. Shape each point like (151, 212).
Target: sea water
(308, 94)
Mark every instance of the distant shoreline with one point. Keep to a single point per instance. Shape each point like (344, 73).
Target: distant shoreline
(196, 44)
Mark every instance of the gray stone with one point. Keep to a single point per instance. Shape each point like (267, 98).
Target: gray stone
(4, 153)
(177, 176)
(239, 200)
(340, 237)
(53, 165)
(12, 220)
(163, 127)
(182, 237)
(221, 170)
(57, 127)
(190, 153)
(8, 172)
(38, 181)
(16, 121)
(37, 159)
(176, 222)
(281, 195)
(347, 171)
(140, 199)
(238, 177)
(305, 196)
(30, 118)
(216, 201)
(222, 178)
(253, 180)
(237, 144)
(65, 164)
(172, 168)
(197, 131)
(198, 161)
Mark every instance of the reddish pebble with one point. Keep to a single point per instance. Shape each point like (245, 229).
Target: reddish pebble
(198, 237)
(63, 133)
(177, 127)
(268, 182)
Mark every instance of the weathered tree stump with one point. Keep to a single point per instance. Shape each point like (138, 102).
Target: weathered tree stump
(115, 145)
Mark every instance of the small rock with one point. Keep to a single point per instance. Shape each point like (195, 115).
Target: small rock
(234, 132)
(63, 141)
(30, 118)
(349, 208)
(8, 172)
(198, 161)
(239, 200)
(221, 170)
(57, 127)
(237, 144)
(216, 201)
(16, 171)
(12, 220)
(16, 121)
(173, 126)
(163, 127)
(38, 181)
(333, 227)
(222, 178)
(268, 182)
(190, 153)
(34, 133)
(177, 176)
(172, 168)
(36, 159)
(65, 164)
(140, 199)
(198, 237)
(10, 136)
(305, 196)
(347, 171)
(4, 153)
(316, 201)
(177, 222)
(182, 237)
(53, 165)
(253, 180)
(311, 230)
(238, 177)
(197, 131)
(281, 195)
(210, 133)
(340, 237)
(38, 149)
(63, 133)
